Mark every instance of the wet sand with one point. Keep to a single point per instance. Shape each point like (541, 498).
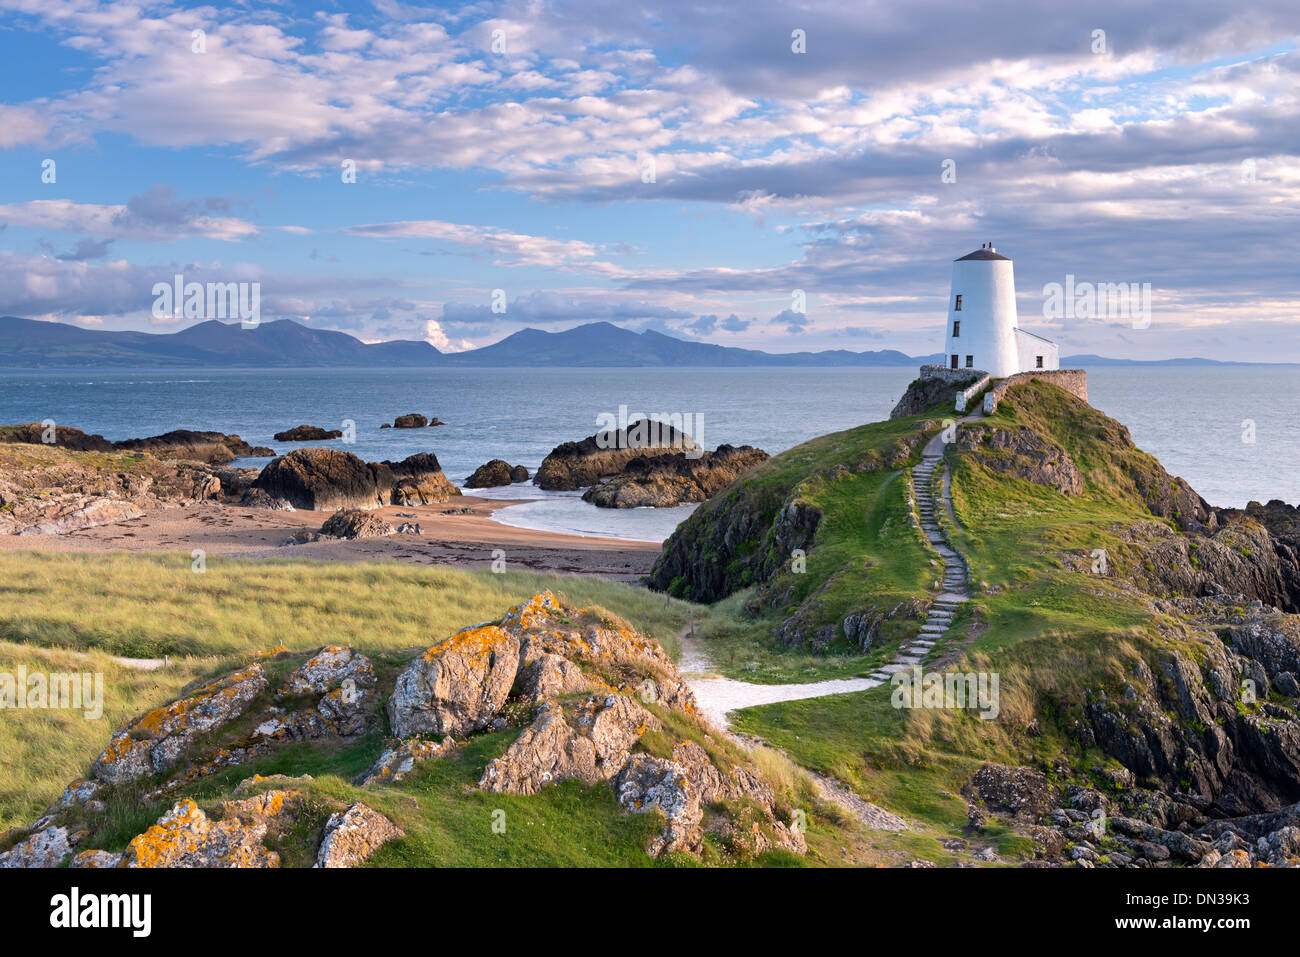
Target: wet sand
(446, 538)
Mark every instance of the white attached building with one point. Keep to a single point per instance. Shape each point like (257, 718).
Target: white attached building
(982, 329)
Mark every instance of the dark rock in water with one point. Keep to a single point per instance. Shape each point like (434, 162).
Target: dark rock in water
(412, 420)
(356, 523)
(216, 448)
(664, 481)
(434, 420)
(307, 433)
(495, 474)
(575, 465)
(324, 479)
(64, 437)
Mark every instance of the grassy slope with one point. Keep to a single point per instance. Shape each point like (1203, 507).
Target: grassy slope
(1049, 632)
(866, 554)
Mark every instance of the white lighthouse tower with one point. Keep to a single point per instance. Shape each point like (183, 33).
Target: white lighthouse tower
(983, 333)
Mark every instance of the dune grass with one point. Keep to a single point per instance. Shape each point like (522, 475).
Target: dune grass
(66, 613)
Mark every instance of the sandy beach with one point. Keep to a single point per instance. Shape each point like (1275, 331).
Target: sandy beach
(447, 537)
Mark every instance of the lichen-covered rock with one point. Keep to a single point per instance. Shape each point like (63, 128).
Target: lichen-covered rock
(631, 662)
(351, 836)
(46, 847)
(650, 784)
(186, 837)
(740, 783)
(397, 762)
(457, 686)
(592, 747)
(157, 741)
(548, 676)
(328, 669)
(96, 859)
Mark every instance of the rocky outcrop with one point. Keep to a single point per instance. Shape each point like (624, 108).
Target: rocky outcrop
(329, 479)
(574, 465)
(665, 481)
(1023, 454)
(351, 836)
(496, 473)
(34, 433)
(215, 448)
(412, 420)
(157, 741)
(457, 686)
(355, 523)
(46, 490)
(307, 433)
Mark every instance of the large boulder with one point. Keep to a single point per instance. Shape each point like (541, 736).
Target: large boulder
(322, 479)
(329, 479)
(457, 686)
(412, 420)
(156, 741)
(574, 465)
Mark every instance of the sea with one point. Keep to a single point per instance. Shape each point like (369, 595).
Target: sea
(1233, 432)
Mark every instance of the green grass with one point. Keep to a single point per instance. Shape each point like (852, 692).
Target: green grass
(153, 605)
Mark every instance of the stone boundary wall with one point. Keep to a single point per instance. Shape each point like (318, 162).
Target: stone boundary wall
(1073, 381)
(950, 375)
(964, 397)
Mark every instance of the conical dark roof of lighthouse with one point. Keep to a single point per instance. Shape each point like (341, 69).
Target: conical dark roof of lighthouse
(984, 252)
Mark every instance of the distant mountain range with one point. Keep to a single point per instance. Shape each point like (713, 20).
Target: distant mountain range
(284, 343)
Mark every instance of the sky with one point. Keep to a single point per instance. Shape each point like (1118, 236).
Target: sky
(775, 175)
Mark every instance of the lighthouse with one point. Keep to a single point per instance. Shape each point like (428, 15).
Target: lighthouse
(983, 332)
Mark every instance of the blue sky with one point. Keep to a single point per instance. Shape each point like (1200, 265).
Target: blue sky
(1167, 155)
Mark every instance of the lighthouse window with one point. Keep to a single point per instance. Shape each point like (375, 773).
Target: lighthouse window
(957, 308)
(956, 327)
(1038, 361)
(970, 362)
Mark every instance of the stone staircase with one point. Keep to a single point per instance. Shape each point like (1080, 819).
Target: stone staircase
(955, 589)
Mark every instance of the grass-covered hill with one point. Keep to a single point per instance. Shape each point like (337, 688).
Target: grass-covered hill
(1120, 611)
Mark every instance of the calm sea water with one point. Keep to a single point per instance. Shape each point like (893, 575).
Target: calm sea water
(1191, 419)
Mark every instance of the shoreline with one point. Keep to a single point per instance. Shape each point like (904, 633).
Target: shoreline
(446, 538)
